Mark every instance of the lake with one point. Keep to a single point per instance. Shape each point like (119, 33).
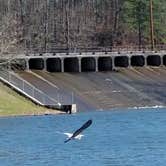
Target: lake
(115, 138)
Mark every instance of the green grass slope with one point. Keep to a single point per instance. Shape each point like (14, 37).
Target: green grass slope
(13, 104)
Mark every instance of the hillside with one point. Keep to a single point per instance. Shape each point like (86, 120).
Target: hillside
(39, 26)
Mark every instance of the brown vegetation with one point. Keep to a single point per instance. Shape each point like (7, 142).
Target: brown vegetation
(48, 25)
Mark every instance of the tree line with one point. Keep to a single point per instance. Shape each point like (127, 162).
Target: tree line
(49, 25)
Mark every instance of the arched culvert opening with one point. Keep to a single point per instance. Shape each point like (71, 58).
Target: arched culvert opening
(138, 60)
(53, 64)
(18, 64)
(88, 64)
(36, 64)
(71, 65)
(121, 61)
(164, 60)
(104, 64)
(153, 60)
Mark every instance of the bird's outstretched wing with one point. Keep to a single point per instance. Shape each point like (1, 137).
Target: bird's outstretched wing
(68, 134)
(83, 127)
(77, 132)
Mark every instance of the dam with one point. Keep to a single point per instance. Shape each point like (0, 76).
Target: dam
(97, 81)
(91, 62)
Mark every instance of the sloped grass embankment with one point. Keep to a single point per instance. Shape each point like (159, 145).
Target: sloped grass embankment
(13, 104)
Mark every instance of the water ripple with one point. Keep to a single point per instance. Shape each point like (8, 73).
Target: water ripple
(119, 138)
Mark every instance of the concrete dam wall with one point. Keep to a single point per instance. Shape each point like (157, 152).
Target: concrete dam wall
(101, 80)
(91, 62)
(126, 87)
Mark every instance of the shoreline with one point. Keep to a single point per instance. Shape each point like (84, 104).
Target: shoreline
(31, 115)
(56, 112)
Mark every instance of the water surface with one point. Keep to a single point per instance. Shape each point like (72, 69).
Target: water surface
(116, 138)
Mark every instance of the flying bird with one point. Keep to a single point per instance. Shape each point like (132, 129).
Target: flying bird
(76, 134)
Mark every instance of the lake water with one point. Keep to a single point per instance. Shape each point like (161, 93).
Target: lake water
(116, 138)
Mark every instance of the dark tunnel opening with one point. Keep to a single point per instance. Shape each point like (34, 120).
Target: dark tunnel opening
(53, 64)
(104, 64)
(71, 65)
(164, 60)
(88, 64)
(36, 64)
(153, 60)
(138, 61)
(121, 61)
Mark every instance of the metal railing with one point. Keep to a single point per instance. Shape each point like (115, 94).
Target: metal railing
(79, 50)
(27, 89)
(127, 48)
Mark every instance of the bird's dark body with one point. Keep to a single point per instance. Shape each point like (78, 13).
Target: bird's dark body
(77, 132)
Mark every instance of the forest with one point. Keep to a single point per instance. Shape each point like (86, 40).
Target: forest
(50, 25)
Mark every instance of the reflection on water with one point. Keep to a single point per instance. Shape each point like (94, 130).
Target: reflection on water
(117, 138)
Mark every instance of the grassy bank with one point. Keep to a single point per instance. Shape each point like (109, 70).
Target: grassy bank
(13, 104)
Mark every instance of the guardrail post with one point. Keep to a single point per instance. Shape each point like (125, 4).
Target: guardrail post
(23, 85)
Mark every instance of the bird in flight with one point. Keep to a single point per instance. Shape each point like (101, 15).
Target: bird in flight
(76, 134)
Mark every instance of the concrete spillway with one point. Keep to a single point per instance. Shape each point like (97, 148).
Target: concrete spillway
(127, 87)
(99, 80)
